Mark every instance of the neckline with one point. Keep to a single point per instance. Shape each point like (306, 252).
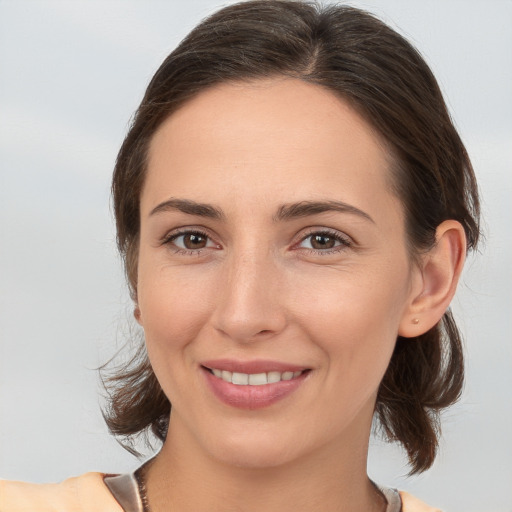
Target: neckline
(129, 491)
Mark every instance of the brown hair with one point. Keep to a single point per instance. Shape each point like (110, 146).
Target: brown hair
(366, 63)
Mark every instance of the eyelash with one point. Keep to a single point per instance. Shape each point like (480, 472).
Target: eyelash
(171, 237)
(344, 241)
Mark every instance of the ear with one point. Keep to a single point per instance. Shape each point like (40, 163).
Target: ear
(439, 272)
(137, 314)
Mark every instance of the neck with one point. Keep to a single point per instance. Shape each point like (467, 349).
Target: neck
(333, 478)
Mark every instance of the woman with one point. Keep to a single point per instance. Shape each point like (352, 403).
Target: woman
(293, 207)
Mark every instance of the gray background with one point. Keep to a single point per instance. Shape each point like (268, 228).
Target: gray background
(71, 74)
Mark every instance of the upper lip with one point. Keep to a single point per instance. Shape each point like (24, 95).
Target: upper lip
(251, 367)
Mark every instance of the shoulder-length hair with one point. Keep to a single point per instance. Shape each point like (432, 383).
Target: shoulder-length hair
(384, 78)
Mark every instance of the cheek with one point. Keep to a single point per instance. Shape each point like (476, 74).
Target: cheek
(172, 310)
(355, 321)
(353, 303)
(356, 348)
(357, 339)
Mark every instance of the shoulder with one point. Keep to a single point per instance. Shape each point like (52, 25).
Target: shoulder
(85, 493)
(411, 504)
(88, 493)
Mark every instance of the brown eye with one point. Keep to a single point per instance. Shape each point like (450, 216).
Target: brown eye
(322, 241)
(325, 242)
(194, 241)
(191, 241)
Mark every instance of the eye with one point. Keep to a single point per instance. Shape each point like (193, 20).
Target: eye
(325, 241)
(189, 241)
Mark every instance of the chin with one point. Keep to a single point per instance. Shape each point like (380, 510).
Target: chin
(258, 452)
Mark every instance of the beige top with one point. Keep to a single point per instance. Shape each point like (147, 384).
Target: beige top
(89, 493)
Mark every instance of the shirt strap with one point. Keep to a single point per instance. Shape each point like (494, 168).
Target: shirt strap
(125, 490)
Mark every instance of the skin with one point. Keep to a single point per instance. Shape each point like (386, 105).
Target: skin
(259, 288)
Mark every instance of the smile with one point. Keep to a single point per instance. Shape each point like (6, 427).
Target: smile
(254, 379)
(253, 384)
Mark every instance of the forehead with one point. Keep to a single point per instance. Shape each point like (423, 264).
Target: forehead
(242, 139)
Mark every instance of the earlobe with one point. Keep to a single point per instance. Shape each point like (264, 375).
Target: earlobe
(440, 270)
(137, 314)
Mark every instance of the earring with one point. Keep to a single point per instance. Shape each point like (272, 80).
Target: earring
(415, 321)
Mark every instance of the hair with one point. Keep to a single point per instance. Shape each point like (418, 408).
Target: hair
(383, 77)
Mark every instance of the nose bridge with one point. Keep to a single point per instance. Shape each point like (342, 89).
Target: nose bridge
(249, 301)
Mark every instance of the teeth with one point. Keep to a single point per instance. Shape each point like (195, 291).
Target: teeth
(257, 379)
(273, 377)
(254, 379)
(242, 379)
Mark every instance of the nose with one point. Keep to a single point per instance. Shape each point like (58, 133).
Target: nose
(250, 305)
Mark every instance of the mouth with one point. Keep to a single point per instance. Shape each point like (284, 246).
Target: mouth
(254, 379)
(253, 385)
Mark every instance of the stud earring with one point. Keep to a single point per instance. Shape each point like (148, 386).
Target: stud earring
(415, 321)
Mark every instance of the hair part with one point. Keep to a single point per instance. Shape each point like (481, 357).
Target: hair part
(384, 78)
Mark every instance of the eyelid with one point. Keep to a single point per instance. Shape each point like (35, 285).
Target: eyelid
(171, 235)
(345, 241)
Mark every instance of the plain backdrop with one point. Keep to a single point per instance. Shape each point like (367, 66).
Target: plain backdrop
(71, 75)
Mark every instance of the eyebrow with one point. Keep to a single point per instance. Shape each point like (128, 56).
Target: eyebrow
(285, 212)
(189, 207)
(305, 208)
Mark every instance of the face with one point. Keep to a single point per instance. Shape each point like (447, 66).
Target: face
(273, 271)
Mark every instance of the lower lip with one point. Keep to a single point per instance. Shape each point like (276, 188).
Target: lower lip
(252, 397)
